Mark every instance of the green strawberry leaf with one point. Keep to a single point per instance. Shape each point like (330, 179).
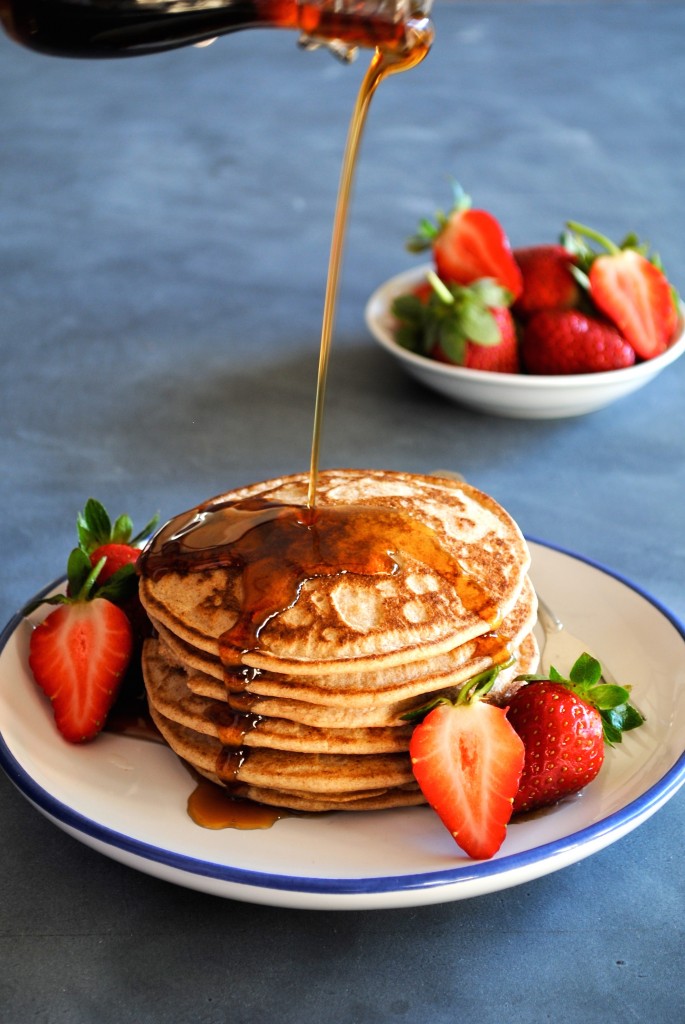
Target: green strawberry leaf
(586, 671)
(93, 526)
(479, 325)
(618, 720)
(607, 696)
(408, 310)
(145, 532)
(122, 530)
(78, 570)
(490, 293)
(452, 341)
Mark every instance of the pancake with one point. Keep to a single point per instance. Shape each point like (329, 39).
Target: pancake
(170, 696)
(350, 620)
(386, 685)
(257, 725)
(323, 716)
(283, 670)
(280, 769)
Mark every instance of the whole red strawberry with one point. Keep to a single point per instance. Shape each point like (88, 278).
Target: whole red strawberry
(465, 325)
(561, 341)
(564, 724)
(79, 654)
(627, 284)
(117, 556)
(100, 538)
(563, 739)
(502, 357)
(468, 245)
(548, 282)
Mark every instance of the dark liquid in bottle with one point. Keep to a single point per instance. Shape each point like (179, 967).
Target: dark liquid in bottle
(120, 28)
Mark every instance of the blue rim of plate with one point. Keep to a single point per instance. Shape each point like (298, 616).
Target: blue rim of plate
(635, 811)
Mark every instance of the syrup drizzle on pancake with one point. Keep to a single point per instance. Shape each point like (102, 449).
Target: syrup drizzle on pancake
(279, 547)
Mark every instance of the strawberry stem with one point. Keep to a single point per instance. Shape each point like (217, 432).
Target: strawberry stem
(461, 200)
(89, 581)
(440, 288)
(480, 685)
(596, 236)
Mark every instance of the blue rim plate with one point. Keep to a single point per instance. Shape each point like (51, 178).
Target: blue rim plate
(127, 798)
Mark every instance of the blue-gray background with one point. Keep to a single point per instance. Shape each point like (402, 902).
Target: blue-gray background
(164, 233)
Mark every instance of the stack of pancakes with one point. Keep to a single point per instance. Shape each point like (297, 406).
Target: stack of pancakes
(312, 717)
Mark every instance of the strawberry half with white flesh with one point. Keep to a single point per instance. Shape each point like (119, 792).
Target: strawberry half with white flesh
(80, 652)
(628, 285)
(467, 759)
(468, 245)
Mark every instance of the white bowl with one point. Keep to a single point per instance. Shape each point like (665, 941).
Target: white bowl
(524, 396)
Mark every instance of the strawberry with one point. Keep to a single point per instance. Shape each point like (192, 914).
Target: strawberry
(80, 652)
(95, 529)
(564, 724)
(560, 341)
(468, 245)
(464, 325)
(99, 538)
(468, 759)
(548, 282)
(117, 557)
(628, 285)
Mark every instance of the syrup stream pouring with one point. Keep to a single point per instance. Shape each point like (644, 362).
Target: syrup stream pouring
(558, 646)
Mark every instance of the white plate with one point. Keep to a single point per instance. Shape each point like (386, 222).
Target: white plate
(518, 395)
(127, 798)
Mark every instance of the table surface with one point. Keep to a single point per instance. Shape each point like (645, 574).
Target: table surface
(165, 225)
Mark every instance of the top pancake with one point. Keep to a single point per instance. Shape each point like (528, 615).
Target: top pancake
(352, 620)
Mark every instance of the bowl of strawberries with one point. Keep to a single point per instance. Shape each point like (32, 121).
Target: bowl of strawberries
(541, 332)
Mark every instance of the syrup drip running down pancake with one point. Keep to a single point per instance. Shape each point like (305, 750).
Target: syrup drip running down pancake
(291, 642)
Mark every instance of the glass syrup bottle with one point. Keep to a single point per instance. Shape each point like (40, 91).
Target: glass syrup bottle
(119, 28)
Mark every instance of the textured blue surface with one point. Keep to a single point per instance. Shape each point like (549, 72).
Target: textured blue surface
(164, 231)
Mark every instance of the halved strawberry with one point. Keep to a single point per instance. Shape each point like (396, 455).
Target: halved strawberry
(467, 760)
(79, 654)
(468, 245)
(629, 287)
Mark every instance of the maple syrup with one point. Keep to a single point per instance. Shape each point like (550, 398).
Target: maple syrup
(213, 807)
(279, 547)
(413, 49)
